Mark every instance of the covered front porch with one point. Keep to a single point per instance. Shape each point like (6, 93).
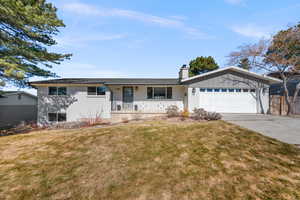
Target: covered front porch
(145, 99)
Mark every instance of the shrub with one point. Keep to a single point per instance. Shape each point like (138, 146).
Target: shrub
(213, 116)
(201, 114)
(172, 111)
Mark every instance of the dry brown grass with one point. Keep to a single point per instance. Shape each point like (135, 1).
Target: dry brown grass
(149, 160)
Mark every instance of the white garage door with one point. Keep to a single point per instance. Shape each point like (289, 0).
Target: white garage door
(228, 100)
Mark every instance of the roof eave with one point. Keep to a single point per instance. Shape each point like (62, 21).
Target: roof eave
(237, 69)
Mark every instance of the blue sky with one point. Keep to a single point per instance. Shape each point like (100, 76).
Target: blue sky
(153, 38)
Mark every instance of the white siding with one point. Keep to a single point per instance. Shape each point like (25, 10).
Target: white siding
(76, 104)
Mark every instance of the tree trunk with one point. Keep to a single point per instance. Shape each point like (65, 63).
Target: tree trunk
(286, 96)
(262, 111)
(297, 88)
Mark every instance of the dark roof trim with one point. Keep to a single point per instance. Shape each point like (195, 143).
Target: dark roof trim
(109, 81)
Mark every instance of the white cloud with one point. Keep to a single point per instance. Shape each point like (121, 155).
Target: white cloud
(235, 2)
(81, 40)
(171, 22)
(252, 30)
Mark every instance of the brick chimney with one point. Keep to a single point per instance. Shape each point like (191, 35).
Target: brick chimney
(184, 72)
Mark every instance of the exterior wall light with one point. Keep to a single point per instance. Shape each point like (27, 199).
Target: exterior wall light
(194, 91)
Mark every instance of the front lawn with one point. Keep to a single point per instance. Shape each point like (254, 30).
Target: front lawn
(149, 160)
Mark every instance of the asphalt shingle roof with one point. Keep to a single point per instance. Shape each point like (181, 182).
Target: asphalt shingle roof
(112, 81)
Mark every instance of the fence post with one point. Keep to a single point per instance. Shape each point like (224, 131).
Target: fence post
(281, 105)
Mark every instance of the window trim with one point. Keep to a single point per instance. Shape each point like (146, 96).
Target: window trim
(57, 89)
(166, 93)
(56, 117)
(96, 92)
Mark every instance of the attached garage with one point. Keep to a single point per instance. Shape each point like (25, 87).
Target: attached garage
(229, 90)
(226, 100)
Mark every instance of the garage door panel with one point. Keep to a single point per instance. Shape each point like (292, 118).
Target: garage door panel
(227, 102)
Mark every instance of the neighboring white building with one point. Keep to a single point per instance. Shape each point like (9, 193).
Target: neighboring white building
(227, 90)
(17, 107)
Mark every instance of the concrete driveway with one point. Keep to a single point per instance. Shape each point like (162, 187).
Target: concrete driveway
(285, 129)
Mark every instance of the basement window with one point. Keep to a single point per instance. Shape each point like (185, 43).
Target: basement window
(57, 117)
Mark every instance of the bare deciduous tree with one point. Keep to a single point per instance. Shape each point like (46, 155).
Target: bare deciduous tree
(279, 55)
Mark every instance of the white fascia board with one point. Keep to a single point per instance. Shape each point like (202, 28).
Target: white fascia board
(238, 69)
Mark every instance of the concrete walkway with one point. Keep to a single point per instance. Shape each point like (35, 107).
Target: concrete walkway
(285, 129)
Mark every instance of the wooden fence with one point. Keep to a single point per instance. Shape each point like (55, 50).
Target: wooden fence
(278, 105)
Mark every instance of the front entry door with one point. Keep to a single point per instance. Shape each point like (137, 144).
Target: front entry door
(127, 98)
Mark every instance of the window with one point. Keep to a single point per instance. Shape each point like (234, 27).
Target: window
(149, 92)
(57, 91)
(216, 90)
(62, 91)
(252, 90)
(224, 90)
(169, 93)
(202, 89)
(61, 117)
(52, 117)
(159, 92)
(209, 90)
(238, 90)
(231, 90)
(52, 91)
(57, 117)
(245, 90)
(96, 90)
(101, 90)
